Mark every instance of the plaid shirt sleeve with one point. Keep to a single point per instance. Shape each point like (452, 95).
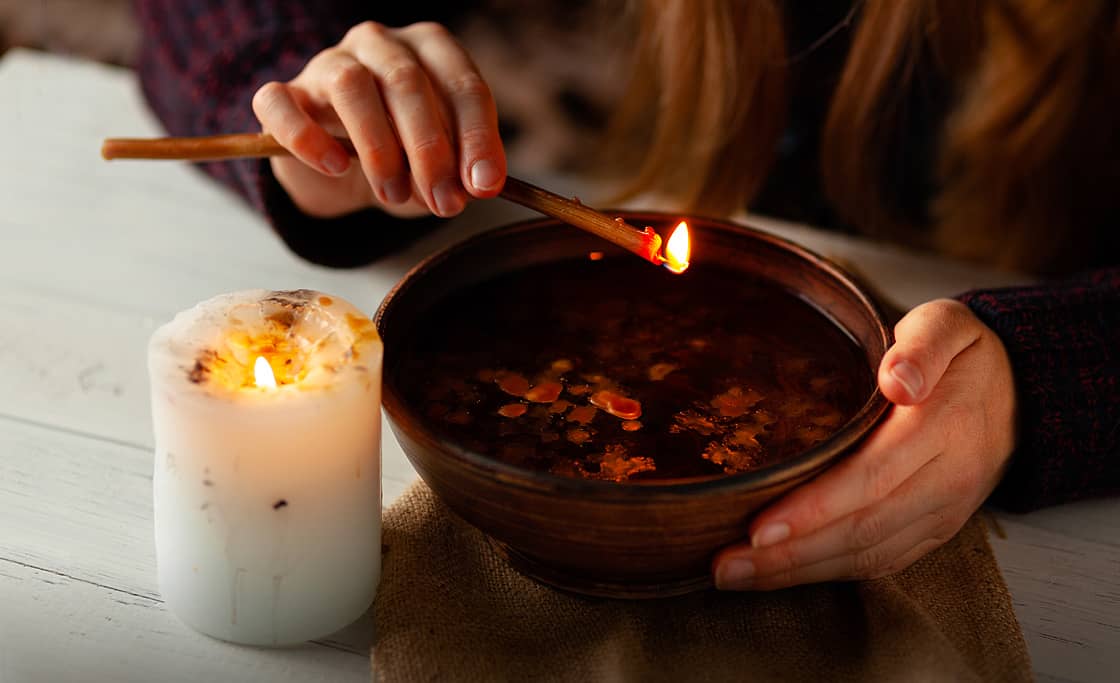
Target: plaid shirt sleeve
(1064, 342)
(201, 61)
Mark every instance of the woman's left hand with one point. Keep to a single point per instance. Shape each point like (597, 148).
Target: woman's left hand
(915, 481)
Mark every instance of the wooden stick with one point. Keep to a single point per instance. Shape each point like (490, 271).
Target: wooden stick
(645, 243)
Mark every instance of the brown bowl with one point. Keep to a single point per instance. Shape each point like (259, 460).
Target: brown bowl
(604, 538)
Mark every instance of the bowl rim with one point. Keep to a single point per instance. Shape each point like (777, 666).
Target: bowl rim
(774, 474)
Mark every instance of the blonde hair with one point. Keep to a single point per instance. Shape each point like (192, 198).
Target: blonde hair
(1026, 158)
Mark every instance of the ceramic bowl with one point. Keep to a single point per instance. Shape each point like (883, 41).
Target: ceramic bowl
(604, 538)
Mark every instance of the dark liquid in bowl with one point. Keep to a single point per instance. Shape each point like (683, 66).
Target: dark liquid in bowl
(546, 368)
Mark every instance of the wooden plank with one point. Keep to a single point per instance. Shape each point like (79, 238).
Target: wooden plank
(1091, 520)
(56, 628)
(1066, 594)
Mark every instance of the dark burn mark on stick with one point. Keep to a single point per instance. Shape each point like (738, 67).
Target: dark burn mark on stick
(280, 504)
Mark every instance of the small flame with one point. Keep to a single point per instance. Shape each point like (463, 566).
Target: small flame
(262, 373)
(677, 249)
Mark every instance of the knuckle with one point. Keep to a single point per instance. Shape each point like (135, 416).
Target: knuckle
(867, 530)
(951, 308)
(365, 31)
(468, 86)
(348, 78)
(403, 75)
(381, 159)
(433, 29)
(819, 509)
(868, 563)
(887, 570)
(477, 137)
(431, 151)
(776, 580)
(783, 557)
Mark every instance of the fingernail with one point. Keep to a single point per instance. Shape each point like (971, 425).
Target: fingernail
(485, 175)
(335, 161)
(397, 190)
(734, 573)
(449, 200)
(908, 376)
(770, 534)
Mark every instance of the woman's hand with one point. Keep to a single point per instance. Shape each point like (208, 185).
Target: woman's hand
(420, 115)
(915, 481)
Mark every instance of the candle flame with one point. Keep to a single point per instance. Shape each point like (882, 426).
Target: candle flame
(677, 249)
(262, 373)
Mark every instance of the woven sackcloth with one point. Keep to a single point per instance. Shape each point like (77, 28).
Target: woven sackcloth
(450, 609)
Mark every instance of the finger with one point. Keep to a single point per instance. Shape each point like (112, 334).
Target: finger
(279, 112)
(412, 104)
(901, 445)
(352, 92)
(926, 341)
(890, 556)
(923, 495)
(482, 160)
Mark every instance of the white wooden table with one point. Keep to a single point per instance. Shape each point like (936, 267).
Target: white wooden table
(93, 256)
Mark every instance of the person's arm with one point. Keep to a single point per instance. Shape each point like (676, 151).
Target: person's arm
(202, 61)
(1063, 340)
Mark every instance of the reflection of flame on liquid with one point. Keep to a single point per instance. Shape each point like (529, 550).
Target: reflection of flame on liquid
(677, 249)
(263, 375)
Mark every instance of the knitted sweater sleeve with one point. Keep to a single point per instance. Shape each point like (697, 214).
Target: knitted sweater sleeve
(201, 61)
(1063, 339)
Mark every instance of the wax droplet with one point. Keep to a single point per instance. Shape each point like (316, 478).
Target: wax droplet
(735, 402)
(579, 390)
(512, 410)
(582, 414)
(659, 371)
(325, 301)
(513, 384)
(617, 405)
(595, 256)
(631, 426)
(545, 392)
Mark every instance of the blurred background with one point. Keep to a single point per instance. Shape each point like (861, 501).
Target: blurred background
(97, 29)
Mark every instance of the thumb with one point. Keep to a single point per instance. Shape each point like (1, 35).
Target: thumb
(927, 339)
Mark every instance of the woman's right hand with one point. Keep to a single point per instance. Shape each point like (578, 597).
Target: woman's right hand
(420, 115)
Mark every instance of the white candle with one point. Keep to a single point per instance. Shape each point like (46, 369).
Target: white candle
(267, 487)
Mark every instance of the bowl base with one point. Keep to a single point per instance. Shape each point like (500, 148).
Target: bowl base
(584, 585)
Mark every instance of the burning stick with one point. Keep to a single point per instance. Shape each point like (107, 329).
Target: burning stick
(645, 243)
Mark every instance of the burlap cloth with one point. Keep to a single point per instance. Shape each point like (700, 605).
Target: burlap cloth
(449, 609)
